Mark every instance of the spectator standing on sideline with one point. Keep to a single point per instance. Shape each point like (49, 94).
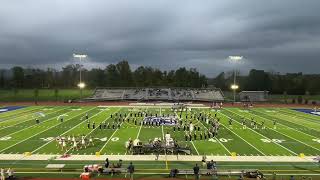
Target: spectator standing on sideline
(2, 175)
(106, 163)
(85, 176)
(131, 170)
(196, 170)
(10, 173)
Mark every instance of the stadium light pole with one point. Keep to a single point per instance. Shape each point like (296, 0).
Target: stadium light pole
(81, 84)
(234, 86)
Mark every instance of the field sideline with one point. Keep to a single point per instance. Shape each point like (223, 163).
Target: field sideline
(295, 133)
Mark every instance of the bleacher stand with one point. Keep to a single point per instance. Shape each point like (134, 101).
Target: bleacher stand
(163, 94)
(253, 96)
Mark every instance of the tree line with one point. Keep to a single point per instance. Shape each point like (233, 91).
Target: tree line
(275, 83)
(114, 75)
(121, 75)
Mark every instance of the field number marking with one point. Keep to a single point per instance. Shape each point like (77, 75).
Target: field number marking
(52, 138)
(221, 140)
(47, 139)
(5, 138)
(272, 140)
(115, 139)
(316, 140)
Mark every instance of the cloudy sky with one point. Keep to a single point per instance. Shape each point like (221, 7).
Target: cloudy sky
(278, 35)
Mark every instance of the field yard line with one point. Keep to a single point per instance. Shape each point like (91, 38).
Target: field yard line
(35, 135)
(39, 132)
(299, 124)
(216, 138)
(68, 129)
(162, 132)
(141, 126)
(241, 137)
(139, 131)
(298, 114)
(300, 119)
(112, 135)
(95, 127)
(195, 147)
(21, 114)
(286, 134)
(261, 134)
(30, 120)
(293, 128)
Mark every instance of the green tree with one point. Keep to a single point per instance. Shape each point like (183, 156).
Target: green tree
(112, 76)
(36, 95)
(2, 80)
(56, 94)
(220, 81)
(125, 74)
(18, 76)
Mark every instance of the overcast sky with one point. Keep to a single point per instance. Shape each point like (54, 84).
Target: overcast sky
(278, 35)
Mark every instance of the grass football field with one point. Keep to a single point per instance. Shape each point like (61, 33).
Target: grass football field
(295, 132)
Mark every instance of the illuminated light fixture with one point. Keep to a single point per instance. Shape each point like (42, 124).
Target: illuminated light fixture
(81, 85)
(235, 58)
(79, 56)
(234, 87)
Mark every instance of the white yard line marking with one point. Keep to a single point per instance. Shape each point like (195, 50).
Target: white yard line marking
(30, 136)
(139, 131)
(286, 134)
(113, 134)
(293, 114)
(162, 132)
(291, 127)
(195, 147)
(242, 138)
(35, 134)
(95, 127)
(141, 126)
(28, 127)
(261, 134)
(21, 114)
(215, 138)
(30, 120)
(69, 129)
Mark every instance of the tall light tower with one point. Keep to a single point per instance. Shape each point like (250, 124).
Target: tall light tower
(81, 84)
(234, 86)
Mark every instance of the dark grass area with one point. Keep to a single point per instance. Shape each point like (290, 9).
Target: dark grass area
(44, 94)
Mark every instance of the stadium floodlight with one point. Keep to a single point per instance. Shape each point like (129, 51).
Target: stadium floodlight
(81, 85)
(234, 87)
(79, 56)
(235, 58)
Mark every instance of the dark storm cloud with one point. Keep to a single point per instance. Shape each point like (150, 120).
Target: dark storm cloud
(272, 35)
